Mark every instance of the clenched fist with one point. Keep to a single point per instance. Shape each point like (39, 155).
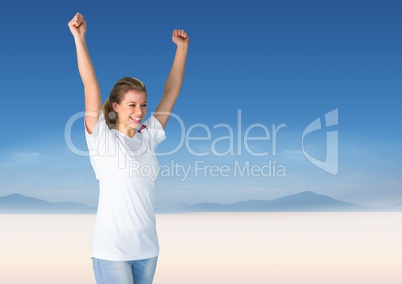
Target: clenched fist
(78, 26)
(180, 38)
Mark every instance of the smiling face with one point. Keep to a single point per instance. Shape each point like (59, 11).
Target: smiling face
(131, 111)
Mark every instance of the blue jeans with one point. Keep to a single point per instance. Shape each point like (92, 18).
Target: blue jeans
(124, 272)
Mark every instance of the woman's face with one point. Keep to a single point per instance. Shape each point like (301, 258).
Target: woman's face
(132, 109)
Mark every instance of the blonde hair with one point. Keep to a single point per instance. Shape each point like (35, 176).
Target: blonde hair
(117, 95)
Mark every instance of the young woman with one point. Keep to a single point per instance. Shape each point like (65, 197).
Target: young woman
(125, 244)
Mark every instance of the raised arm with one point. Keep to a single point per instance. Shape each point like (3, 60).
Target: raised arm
(78, 28)
(175, 78)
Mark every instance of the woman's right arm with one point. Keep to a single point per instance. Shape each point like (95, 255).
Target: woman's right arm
(93, 105)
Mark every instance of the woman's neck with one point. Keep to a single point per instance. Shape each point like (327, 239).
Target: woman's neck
(130, 132)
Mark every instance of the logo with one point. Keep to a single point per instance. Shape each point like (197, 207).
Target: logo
(330, 164)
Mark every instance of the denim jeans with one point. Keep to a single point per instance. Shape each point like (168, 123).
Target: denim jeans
(124, 272)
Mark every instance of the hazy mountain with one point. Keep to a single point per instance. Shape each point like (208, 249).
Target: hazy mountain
(20, 204)
(306, 201)
(302, 202)
(396, 207)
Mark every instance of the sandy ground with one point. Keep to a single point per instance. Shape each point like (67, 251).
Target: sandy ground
(217, 248)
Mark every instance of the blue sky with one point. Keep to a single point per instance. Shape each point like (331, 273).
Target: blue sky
(275, 62)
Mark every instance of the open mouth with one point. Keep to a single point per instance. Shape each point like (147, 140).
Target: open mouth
(135, 119)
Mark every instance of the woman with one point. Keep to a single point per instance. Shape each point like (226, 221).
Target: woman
(125, 244)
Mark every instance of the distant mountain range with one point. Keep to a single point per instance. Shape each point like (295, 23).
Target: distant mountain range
(21, 204)
(306, 201)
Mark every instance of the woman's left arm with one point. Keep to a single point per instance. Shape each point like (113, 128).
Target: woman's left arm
(175, 79)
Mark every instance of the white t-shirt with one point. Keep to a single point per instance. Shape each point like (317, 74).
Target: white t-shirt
(126, 168)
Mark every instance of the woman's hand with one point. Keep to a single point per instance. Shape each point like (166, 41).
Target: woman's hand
(180, 38)
(78, 26)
